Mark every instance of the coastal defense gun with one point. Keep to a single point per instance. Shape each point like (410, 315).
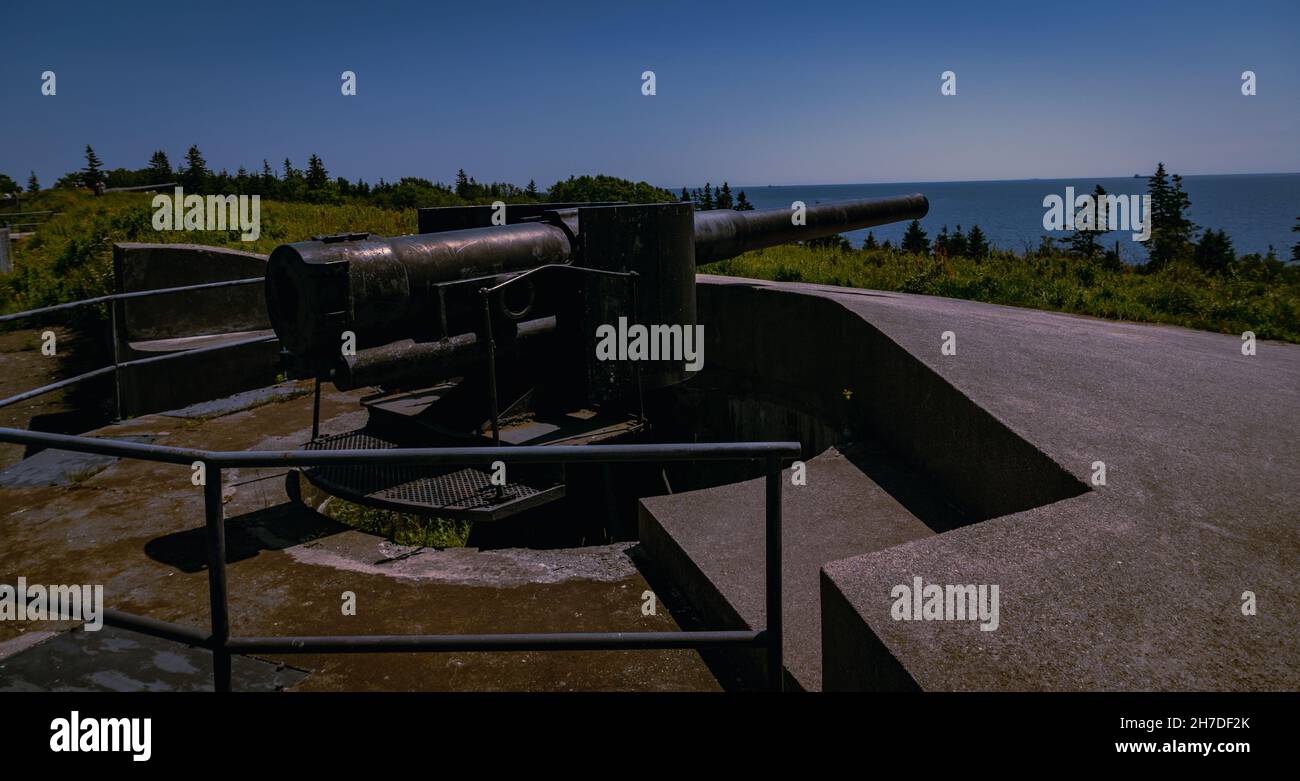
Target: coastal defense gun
(524, 324)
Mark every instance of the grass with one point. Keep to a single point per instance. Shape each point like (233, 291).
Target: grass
(401, 528)
(71, 255)
(1250, 297)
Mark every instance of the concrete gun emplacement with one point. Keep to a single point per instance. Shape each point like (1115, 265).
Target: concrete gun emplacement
(482, 328)
(416, 302)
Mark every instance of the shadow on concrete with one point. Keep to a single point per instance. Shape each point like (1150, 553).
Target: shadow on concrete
(721, 663)
(837, 379)
(915, 456)
(71, 421)
(274, 528)
(74, 409)
(918, 493)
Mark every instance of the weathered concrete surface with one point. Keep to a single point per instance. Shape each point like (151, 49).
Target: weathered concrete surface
(155, 325)
(119, 660)
(922, 456)
(1133, 585)
(1136, 584)
(470, 566)
(241, 401)
(67, 410)
(135, 528)
(723, 530)
(58, 467)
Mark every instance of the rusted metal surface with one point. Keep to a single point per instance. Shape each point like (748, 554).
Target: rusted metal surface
(380, 287)
(387, 289)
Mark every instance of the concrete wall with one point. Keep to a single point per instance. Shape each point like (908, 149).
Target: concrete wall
(175, 322)
(219, 311)
(810, 353)
(787, 362)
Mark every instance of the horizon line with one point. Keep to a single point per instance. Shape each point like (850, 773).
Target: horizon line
(979, 181)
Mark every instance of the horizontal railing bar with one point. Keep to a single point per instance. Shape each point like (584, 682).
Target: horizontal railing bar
(540, 641)
(34, 392)
(126, 364)
(571, 641)
(103, 447)
(139, 188)
(156, 628)
(195, 351)
(526, 454)
(125, 296)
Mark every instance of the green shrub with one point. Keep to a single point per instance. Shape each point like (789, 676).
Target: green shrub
(1252, 296)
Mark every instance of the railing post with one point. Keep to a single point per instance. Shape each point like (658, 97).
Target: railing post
(117, 359)
(219, 641)
(315, 412)
(775, 662)
(215, 537)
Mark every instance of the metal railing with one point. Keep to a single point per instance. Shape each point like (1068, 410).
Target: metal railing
(219, 640)
(7, 220)
(223, 645)
(118, 364)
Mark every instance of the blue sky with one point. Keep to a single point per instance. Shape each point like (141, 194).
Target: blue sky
(754, 93)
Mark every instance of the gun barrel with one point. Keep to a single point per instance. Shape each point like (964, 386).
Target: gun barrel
(378, 283)
(725, 233)
(392, 288)
(408, 361)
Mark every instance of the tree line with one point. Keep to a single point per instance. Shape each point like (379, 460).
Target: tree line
(711, 198)
(1174, 237)
(314, 184)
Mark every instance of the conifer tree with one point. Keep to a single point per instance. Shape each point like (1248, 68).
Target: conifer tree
(195, 176)
(91, 175)
(1086, 241)
(1214, 252)
(160, 168)
(1171, 231)
(317, 177)
(977, 246)
(724, 200)
(957, 244)
(915, 240)
(941, 242)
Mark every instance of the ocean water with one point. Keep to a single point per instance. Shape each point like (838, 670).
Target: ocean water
(1256, 210)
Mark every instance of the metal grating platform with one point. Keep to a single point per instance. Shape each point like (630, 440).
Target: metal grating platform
(465, 492)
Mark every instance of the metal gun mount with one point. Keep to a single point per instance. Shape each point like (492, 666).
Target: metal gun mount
(483, 333)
